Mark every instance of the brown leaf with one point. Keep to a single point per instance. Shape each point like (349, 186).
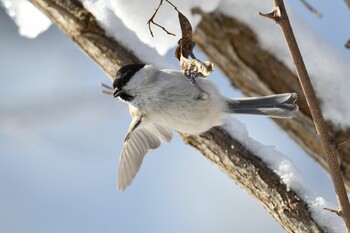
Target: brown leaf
(185, 44)
(186, 27)
(185, 47)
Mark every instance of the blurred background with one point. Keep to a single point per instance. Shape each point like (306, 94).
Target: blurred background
(60, 141)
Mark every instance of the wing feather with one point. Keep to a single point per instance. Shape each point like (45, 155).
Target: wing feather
(139, 140)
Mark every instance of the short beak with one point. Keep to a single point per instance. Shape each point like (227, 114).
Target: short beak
(118, 93)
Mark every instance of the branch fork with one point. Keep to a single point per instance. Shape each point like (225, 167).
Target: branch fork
(279, 15)
(275, 14)
(240, 164)
(338, 212)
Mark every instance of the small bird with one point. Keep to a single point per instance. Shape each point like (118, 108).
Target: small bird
(164, 100)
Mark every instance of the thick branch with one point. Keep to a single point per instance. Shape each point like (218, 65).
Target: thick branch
(239, 163)
(281, 18)
(256, 71)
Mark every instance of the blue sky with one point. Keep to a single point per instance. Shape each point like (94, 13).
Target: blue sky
(60, 142)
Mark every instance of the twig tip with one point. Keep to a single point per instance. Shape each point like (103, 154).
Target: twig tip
(338, 212)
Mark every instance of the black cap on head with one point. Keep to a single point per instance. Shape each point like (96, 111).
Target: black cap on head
(124, 74)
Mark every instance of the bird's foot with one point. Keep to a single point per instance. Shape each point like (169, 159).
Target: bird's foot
(203, 95)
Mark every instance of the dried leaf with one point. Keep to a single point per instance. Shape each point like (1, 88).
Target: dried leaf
(185, 44)
(186, 27)
(185, 47)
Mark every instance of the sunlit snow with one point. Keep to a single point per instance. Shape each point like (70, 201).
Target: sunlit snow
(30, 21)
(126, 21)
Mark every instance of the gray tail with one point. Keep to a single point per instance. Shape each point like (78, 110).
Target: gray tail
(279, 106)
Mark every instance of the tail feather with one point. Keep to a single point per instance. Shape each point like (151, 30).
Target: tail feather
(279, 106)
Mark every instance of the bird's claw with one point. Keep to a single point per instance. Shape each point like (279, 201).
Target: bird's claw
(203, 94)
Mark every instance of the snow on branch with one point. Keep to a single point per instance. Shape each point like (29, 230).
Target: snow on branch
(220, 147)
(258, 68)
(280, 16)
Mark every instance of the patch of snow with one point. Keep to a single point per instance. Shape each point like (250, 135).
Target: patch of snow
(166, 16)
(29, 20)
(114, 26)
(328, 68)
(289, 174)
(329, 220)
(126, 20)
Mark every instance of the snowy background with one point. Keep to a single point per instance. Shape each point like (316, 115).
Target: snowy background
(60, 142)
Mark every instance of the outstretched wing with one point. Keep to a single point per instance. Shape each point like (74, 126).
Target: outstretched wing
(139, 140)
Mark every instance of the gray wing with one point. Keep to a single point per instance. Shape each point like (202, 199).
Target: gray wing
(139, 140)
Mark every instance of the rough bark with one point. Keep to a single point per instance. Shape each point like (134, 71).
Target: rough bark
(255, 71)
(238, 162)
(280, 16)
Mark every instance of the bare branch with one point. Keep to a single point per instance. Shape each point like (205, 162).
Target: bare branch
(341, 143)
(256, 71)
(347, 45)
(281, 17)
(338, 212)
(108, 90)
(151, 20)
(347, 2)
(106, 86)
(311, 8)
(238, 162)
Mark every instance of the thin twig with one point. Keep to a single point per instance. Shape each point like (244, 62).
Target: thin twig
(106, 92)
(311, 8)
(338, 212)
(172, 5)
(281, 17)
(339, 144)
(109, 90)
(347, 3)
(106, 86)
(151, 20)
(288, 208)
(347, 45)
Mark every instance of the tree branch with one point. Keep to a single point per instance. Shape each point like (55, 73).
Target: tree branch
(254, 70)
(151, 20)
(250, 172)
(280, 16)
(347, 2)
(311, 8)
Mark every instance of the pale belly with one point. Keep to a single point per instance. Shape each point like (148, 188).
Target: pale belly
(189, 117)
